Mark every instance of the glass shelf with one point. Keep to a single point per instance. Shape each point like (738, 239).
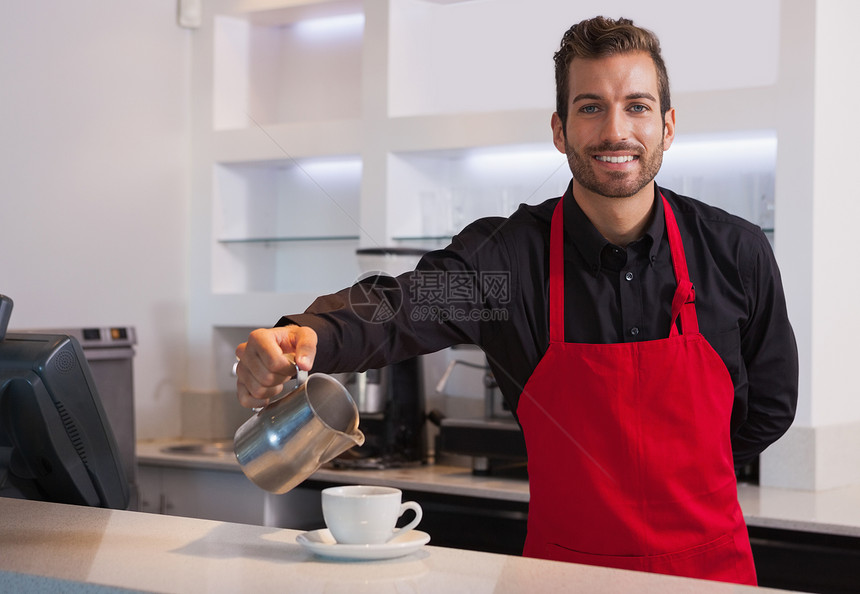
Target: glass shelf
(422, 238)
(286, 239)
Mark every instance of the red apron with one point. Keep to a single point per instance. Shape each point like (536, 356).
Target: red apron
(630, 459)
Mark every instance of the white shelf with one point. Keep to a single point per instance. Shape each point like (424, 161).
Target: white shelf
(300, 85)
(295, 63)
(297, 140)
(439, 192)
(323, 238)
(273, 13)
(285, 224)
(470, 130)
(733, 171)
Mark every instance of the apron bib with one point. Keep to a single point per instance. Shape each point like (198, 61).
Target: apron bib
(630, 459)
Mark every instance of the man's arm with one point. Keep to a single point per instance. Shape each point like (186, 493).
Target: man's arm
(769, 351)
(376, 322)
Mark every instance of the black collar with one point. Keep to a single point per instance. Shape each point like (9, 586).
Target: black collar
(591, 244)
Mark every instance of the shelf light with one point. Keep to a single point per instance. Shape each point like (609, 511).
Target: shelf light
(325, 167)
(728, 152)
(523, 158)
(333, 26)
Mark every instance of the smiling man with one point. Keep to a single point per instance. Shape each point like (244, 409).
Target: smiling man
(613, 123)
(640, 336)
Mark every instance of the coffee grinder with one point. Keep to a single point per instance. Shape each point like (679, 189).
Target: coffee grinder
(392, 417)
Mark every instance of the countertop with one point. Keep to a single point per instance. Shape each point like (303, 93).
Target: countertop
(64, 548)
(833, 511)
(430, 478)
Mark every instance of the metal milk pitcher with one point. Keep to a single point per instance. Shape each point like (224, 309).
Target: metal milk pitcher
(287, 440)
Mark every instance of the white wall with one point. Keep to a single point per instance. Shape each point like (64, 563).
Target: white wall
(93, 179)
(479, 56)
(816, 214)
(836, 213)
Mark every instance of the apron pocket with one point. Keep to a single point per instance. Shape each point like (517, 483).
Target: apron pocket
(714, 560)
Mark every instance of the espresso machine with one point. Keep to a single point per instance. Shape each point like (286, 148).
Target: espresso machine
(390, 400)
(494, 441)
(391, 408)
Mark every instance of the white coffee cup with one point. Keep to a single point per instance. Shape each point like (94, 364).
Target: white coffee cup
(363, 514)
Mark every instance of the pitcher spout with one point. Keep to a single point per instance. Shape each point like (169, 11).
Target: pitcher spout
(340, 443)
(357, 438)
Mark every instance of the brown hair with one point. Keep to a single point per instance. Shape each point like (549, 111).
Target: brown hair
(601, 37)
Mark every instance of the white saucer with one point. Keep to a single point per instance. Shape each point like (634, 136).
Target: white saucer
(323, 543)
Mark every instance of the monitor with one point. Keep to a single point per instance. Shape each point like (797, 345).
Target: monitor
(56, 443)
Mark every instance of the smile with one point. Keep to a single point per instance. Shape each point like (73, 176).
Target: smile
(608, 159)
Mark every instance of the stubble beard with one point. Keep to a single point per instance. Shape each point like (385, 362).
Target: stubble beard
(620, 184)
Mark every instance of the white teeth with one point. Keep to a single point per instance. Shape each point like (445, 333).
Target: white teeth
(623, 159)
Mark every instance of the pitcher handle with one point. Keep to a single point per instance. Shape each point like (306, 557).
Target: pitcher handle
(301, 377)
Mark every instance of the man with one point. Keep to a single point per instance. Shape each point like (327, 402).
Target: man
(641, 336)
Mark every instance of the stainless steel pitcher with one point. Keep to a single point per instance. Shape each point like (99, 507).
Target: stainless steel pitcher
(287, 440)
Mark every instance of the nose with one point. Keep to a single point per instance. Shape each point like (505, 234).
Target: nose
(615, 127)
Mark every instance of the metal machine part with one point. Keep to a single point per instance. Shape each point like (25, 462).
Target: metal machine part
(369, 389)
(392, 417)
(494, 442)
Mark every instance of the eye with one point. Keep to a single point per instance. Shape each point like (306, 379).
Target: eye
(588, 109)
(639, 108)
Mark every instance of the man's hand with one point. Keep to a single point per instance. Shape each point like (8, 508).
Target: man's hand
(266, 362)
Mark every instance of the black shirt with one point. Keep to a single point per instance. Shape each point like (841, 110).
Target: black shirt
(489, 288)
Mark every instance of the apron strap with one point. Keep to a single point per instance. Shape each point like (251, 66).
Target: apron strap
(683, 302)
(556, 274)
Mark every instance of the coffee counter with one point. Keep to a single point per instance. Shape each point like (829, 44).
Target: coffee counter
(53, 547)
(835, 511)
(431, 478)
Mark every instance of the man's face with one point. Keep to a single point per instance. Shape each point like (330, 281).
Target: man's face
(615, 136)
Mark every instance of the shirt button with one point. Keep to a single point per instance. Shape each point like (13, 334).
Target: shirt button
(628, 276)
(634, 331)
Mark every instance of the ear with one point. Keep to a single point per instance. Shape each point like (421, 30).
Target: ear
(669, 129)
(558, 138)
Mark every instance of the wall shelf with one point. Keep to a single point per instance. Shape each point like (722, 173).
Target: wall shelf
(290, 239)
(270, 143)
(287, 65)
(326, 126)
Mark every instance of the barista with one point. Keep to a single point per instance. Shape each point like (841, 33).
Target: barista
(640, 336)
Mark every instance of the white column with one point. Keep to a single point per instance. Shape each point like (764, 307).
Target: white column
(374, 181)
(817, 212)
